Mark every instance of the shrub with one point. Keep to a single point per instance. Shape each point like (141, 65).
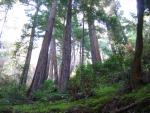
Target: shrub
(146, 55)
(112, 65)
(12, 93)
(83, 83)
(48, 92)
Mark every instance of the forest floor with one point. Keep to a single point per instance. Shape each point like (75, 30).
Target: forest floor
(108, 98)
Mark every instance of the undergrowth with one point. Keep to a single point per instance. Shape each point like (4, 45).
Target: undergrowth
(91, 88)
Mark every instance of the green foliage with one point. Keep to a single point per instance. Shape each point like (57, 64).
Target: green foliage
(48, 92)
(147, 4)
(8, 3)
(88, 76)
(12, 93)
(105, 90)
(112, 65)
(83, 83)
(138, 94)
(103, 94)
(146, 55)
(44, 107)
(3, 54)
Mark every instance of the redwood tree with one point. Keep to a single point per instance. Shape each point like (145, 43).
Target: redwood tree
(136, 67)
(66, 56)
(52, 70)
(95, 52)
(29, 52)
(40, 72)
(94, 43)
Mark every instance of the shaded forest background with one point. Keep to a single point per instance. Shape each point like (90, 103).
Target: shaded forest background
(92, 58)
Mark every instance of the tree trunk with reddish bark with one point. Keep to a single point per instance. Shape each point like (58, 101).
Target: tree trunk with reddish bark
(49, 71)
(82, 44)
(40, 72)
(66, 57)
(52, 62)
(24, 75)
(55, 65)
(136, 74)
(95, 53)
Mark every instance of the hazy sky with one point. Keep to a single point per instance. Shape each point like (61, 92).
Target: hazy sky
(15, 21)
(128, 6)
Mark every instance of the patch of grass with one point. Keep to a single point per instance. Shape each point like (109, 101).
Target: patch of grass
(103, 94)
(5, 108)
(95, 103)
(46, 107)
(109, 90)
(138, 94)
(59, 106)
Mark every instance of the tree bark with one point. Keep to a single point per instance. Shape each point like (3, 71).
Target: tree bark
(73, 58)
(95, 53)
(49, 71)
(52, 62)
(40, 72)
(66, 57)
(30, 48)
(82, 44)
(55, 66)
(136, 75)
(51, 68)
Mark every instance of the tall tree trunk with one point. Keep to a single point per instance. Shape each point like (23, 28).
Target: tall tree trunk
(49, 71)
(40, 72)
(52, 70)
(136, 67)
(55, 65)
(73, 58)
(82, 44)
(30, 48)
(94, 43)
(61, 47)
(66, 57)
(80, 52)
